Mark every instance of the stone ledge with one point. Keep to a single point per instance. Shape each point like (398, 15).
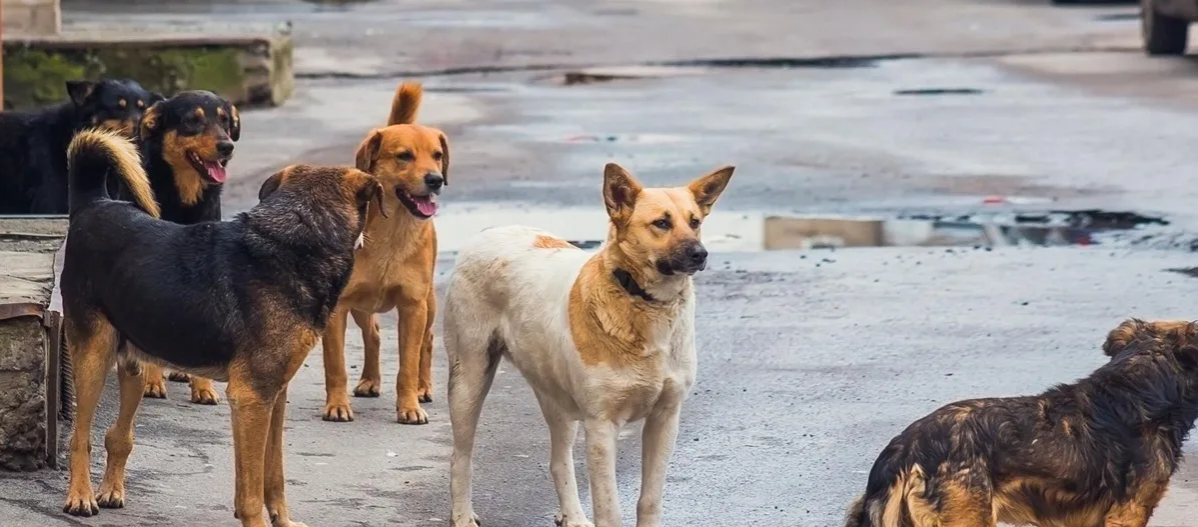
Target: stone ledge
(250, 69)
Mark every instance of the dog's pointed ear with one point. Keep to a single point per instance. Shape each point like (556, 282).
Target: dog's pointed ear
(1122, 335)
(234, 123)
(149, 121)
(272, 183)
(80, 90)
(155, 97)
(707, 189)
(368, 152)
(620, 190)
(445, 158)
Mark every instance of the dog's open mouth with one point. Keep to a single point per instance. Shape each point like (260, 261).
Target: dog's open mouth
(214, 170)
(420, 206)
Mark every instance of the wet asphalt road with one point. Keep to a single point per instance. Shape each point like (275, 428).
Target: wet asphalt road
(809, 361)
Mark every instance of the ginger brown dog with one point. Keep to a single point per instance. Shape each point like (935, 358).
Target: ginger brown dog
(1095, 453)
(395, 268)
(241, 301)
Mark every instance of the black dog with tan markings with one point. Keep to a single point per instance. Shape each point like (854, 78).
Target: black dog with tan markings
(1095, 453)
(186, 144)
(242, 301)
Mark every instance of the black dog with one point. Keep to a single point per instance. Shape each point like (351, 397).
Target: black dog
(33, 144)
(1096, 452)
(242, 301)
(186, 144)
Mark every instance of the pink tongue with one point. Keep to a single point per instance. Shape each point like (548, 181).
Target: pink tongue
(216, 172)
(426, 205)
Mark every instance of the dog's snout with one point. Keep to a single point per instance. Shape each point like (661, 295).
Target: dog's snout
(697, 254)
(225, 148)
(434, 181)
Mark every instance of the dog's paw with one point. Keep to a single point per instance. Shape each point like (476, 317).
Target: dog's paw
(338, 412)
(425, 393)
(368, 388)
(204, 395)
(468, 520)
(412, 416)
(111, 499)
(276, 521)
(178, 376)
(564, 521)
(155, 388)
(81, 504)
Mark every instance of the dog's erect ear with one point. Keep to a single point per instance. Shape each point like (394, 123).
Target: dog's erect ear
(234, 123)
(155, 97)
(1121, 336)
(79, 91)
(272, 183)
(149, 121)
(620, 190)
(707, 189)
(368, 152)
(445, 158)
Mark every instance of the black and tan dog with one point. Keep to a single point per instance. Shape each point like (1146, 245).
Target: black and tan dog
(242, 301)
(1096, 453)
(186, 144)
(33, 144)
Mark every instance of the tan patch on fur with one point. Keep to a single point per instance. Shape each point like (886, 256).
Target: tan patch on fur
(549, 242)
(122, 103)
(189, 182)
(124, 126)
(141, 103)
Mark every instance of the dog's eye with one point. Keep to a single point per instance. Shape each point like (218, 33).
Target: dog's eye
(662, 224)
(695, 223)
(437, 156)
(406, 156)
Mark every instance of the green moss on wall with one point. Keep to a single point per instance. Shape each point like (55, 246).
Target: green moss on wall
(35, 77)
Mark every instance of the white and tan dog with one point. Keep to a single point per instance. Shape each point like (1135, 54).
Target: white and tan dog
(604, 338)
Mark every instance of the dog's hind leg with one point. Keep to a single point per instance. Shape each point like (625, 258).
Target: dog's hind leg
(425, 386)
(203, 392)
(155, 385)
(562, 432)
(474, 356)
(118, 442)
(336, 402)
(371, 384)
(93, 345)
(1136, 511)
(178, 376)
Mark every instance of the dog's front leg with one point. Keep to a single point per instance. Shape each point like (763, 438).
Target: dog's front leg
(658, 438)
(413, 320)
(251, 427)
(601, 467)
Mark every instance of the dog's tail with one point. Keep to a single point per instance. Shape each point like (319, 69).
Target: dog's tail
(902, 504)
(92, 156)
(406, 103)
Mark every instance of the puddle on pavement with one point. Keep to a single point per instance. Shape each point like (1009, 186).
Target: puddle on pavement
(939, 91)
(735, 231)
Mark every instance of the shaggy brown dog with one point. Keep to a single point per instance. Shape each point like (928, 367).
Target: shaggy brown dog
(1096, 453)
(395, 268)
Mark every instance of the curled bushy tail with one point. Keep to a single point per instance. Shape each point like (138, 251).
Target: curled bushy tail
(92, 156)
(406, 103)
(901, 504)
